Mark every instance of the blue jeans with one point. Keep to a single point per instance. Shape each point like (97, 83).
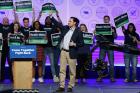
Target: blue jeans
(110, 55)
(133, 60)
(49, 51)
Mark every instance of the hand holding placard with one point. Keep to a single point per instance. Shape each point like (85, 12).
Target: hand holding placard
(121, 20)
(48, 8)
(55, 38)
(23, 5)
(88, 38)
(37, 37)
(6, 4)
(103, 29)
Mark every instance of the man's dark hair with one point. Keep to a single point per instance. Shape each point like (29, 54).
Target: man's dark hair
(106, 16)
(75, 20)
(25, 18)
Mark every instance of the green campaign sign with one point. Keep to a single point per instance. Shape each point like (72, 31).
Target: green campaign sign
(6, 4)
(48, 8)
(15, 39)
(103, 29)
(37, 37)
(55, 39)
(121, 20)
(23, 6)
(88, 38)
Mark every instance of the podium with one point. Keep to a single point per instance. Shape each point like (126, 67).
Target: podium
(22, 74)
(22, 65)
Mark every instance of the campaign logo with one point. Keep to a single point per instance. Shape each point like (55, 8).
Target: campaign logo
(133, 12)
(2, 12)
(86, 12)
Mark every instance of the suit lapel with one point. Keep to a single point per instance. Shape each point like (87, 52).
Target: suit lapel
(73, 35)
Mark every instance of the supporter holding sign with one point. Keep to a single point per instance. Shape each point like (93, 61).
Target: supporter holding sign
(23, 5)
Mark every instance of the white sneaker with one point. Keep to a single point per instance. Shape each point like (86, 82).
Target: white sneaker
(55, 79)
(41, 80)
(33, 80)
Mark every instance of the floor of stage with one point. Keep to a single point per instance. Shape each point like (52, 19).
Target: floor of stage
(90, 87)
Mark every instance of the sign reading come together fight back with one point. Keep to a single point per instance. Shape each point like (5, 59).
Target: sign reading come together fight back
(28, 51)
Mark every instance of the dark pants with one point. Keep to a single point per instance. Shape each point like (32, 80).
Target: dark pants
(133, 60)
(5, 55)
(82, 60)
(53, 57)
(56, 59)
(110, 55)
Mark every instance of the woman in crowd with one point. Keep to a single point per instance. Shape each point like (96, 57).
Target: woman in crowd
(50, 27)
(40, 55)
(16, 28)
(83, 58)
(131, 39)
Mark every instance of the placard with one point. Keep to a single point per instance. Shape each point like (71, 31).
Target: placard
(88, 38)
(48, 8)
(23, 5)
(121, 20)
(103, 29)
(55, 38)
(6, 4)
(37, 37)
(15, 39)
(28, 51)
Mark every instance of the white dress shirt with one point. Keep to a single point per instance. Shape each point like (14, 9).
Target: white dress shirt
(67, 38)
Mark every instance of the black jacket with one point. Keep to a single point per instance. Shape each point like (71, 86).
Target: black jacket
(77, 38)
(129, 40)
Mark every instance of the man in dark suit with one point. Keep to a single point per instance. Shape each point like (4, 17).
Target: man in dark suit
(71, 38)
(5, 28)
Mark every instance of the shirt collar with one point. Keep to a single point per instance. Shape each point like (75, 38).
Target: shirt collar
(72, 28)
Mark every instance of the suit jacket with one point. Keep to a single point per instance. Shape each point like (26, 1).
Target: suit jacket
(77, 38)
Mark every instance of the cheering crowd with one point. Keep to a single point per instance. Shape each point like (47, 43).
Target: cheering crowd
(70, 50)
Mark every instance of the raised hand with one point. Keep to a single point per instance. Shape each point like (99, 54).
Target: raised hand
(16, 19)
(33, 16)
(50, 14)
(40, 14)
(57, 13)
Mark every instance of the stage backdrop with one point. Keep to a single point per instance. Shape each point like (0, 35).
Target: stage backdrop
(89, 12)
